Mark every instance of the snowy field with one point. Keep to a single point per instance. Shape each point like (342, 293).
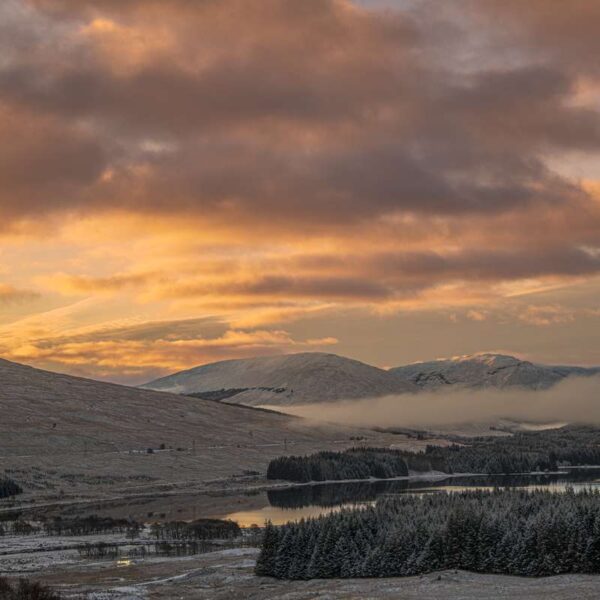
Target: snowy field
(228, 575)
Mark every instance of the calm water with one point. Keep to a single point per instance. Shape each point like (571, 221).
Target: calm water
(293, 504)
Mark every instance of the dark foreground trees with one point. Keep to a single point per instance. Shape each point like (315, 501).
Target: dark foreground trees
(510, 532)
(8, 488)
(25, 590)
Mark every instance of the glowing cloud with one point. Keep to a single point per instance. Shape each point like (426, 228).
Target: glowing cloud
(297, 173)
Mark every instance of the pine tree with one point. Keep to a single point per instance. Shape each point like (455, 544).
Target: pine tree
(265, 563)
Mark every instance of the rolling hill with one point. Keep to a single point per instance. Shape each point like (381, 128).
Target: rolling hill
(487, 370)
(67, 435)
(46, 412)
(285, 380)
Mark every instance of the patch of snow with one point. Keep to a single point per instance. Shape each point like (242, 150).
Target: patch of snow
(286, 380)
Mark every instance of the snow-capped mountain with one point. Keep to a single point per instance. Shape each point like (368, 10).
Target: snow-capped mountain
(284, 380)
(487, 370)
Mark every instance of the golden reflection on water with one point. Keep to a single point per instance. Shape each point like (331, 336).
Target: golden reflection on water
(279, 516)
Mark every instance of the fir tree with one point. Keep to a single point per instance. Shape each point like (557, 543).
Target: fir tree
(265, 563)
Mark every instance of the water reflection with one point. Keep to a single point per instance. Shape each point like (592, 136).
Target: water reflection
(279, 516)
(295, 503)
(333, 494)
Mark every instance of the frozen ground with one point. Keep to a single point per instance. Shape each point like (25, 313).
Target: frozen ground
(228, 575)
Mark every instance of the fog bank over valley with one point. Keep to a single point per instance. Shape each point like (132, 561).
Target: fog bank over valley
(574, 400)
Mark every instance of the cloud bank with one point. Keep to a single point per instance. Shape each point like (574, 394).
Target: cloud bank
(573, 400)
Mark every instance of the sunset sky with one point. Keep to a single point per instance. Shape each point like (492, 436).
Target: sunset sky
(183, 181)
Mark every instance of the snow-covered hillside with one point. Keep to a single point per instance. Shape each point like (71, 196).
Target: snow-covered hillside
(487, 370)
(284, 380)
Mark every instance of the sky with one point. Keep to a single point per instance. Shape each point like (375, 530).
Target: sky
(183, 182)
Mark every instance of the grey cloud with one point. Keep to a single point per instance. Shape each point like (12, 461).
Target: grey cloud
(315, 114)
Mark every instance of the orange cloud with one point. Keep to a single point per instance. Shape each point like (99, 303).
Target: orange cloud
(267, 165)
(10, 294)
(144, 358)
(547, 315)
(80, 284)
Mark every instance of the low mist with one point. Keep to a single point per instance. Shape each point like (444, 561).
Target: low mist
(574, 400)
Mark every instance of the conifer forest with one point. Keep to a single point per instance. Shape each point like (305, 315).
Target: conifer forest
(516, 532)
(523, 452)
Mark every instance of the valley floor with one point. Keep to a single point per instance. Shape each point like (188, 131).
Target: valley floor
(52, 477)
(228, 575)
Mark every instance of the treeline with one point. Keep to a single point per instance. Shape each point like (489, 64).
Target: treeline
(355, 463)
(523, 452)
(90, 525)
(18, 527)
(187, 548)
(507, 532)
(201, 529)
(494, 458)
(99, 550)
(111, 551)
(8, 488)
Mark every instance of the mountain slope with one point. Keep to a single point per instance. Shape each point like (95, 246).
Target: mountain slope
(284, 380)
(487, 370)
(64, 437)
(50, 413)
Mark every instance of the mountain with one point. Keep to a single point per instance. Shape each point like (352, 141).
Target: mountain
(487, 370)
(312, 377)
(285, 380)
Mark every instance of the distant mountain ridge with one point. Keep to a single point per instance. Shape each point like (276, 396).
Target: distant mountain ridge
(488, 370)
(313, 377)
(285, 380)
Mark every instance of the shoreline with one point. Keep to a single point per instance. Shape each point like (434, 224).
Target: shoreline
(264, 486)
(438, 476)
